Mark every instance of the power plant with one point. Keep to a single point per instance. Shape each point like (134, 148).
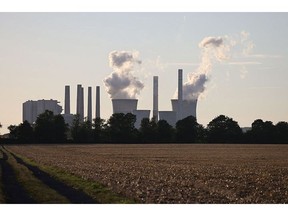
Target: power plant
(181, 108)
(32, 109)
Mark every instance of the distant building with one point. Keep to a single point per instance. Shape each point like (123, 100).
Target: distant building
(32, 109)
(169, 116)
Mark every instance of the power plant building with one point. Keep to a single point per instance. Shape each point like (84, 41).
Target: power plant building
(188, 107)
(32, 109)
(140, 114)
(169, 116)
(124, 105)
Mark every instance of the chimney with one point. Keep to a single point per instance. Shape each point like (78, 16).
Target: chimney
(89, 108)
(82, 104)
(180, 94)
(155, 98)
(67, 100)
(78, 99)
(97, 101)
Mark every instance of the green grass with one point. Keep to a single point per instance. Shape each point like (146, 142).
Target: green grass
(37, 190)
(97, 191)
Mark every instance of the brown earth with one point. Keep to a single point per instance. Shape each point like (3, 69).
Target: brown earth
(202, 173)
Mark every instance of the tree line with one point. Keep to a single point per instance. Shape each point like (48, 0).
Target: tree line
(119, 128)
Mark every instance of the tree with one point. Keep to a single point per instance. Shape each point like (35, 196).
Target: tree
(23, 133)
(148, 131)
(188, 130)
(264, 132)
(165, 132)
(99, 129)
(120, 128)
(281, 132)
(50, 128)
(81, 131)
(13, 131)
(223, 129)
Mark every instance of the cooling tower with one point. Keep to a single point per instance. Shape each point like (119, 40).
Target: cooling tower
(124, 105)
(155, 98)
(89, 108)
(97, 101)
(169, 116)
(180, 95)
(67, 100)
(140, 114)
(188, 107)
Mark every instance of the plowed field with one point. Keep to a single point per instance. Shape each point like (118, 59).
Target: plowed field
(202, 173)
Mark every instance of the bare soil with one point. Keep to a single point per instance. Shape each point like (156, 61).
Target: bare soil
(166, 173)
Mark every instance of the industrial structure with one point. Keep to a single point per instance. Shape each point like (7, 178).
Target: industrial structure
(155, 98)
(68, 117)
(32, 109)
(181, 108)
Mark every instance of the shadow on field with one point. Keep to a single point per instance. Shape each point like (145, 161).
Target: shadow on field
(73, 195)
(13, 191)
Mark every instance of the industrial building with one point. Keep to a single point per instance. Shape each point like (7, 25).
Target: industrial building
(32, 109)
(181, 108)
(80, 104)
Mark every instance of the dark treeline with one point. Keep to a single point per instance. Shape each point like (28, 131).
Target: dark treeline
(119, 128)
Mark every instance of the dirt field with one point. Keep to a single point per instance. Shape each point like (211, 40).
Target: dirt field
(176, 173)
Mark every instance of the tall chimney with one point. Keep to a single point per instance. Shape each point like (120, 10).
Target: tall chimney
(180, 94)
(97, 101)
(155, 98)
(67, 100)
(89, 108)
(78, 99)
(82, 104)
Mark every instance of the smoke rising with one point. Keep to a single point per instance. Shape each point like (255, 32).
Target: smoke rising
(213, 49)
(121, 84)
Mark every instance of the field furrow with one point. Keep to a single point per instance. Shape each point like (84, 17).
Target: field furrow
(175, 173)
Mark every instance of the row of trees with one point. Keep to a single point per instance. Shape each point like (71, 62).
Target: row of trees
(119, 128)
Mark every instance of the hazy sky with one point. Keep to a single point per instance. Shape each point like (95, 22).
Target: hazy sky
(40, 53)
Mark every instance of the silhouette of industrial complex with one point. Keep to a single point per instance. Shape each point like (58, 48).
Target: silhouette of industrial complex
(181, 108)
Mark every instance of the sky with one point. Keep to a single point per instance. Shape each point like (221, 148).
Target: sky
(40, 53)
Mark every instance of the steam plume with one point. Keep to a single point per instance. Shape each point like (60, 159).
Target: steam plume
(121, 84)
(213, 49)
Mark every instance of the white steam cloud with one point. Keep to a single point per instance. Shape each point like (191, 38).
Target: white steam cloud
(213, 49)
(121, 84)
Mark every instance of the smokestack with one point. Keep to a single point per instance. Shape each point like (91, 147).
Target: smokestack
(82, 104)
(155, 98)
(89, 108)
(67, 100)
(97, 101)
(180, 94)
(78, 99)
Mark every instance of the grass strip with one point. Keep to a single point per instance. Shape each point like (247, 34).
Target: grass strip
(97, 191)
(2, 197)
(39, 192)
